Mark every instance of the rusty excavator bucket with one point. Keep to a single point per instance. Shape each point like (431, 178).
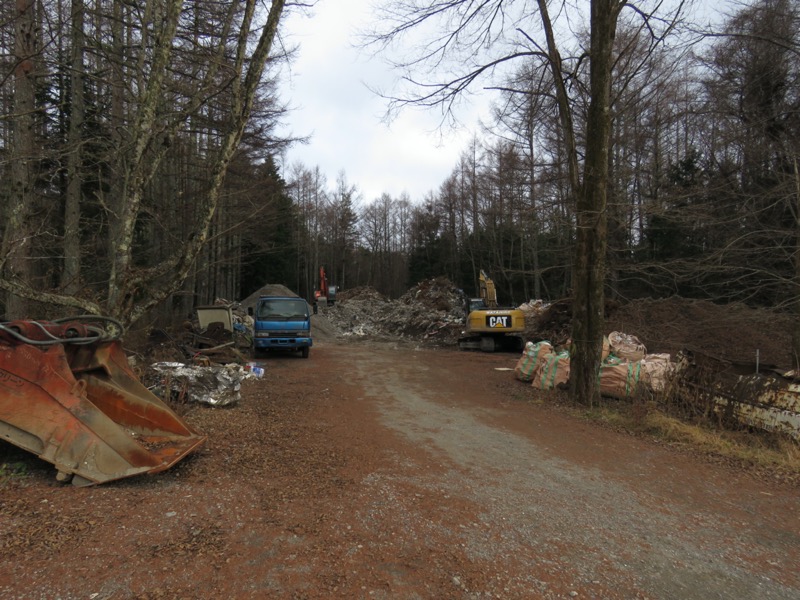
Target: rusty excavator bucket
(68, 395)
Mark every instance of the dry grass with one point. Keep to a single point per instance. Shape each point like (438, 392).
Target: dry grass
(774, 455)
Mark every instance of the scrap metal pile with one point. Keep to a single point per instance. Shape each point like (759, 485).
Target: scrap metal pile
(206, 361)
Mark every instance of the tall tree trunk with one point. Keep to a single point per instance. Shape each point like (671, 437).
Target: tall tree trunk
(589, 258)
(591, 233)
(533, 221)
(796, 282)
(121, 295)
(244, 92)
(116, 184)
(15, 249)
(70, 275)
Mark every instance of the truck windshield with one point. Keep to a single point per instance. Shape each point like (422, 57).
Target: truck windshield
(282, 308)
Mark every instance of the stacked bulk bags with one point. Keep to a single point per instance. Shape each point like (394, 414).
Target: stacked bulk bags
(625, 366)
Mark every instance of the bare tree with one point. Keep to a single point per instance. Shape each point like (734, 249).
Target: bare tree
(492, 34)
(523, 116)
(592, 219)
(749, 210)
(18, 231)
(71, 273)
(383, 233)
(149, 112)
(341, 229)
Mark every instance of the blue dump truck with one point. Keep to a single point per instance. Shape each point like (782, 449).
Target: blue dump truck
(281, 322)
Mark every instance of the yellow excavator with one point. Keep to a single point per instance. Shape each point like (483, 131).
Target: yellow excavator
(490, 327)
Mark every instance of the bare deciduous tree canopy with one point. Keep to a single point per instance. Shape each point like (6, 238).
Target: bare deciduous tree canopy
(161, 82)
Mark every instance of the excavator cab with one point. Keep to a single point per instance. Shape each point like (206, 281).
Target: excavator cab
(68, 395)
(476, 304)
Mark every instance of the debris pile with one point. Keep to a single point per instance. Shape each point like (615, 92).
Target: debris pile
(362, 294)
(551, 322)
(204, 359)
(732, 332)
(432, 310)
(360, 312)
(216, 385)
(534, 309)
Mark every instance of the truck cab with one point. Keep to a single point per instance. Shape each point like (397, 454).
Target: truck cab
(281, 322)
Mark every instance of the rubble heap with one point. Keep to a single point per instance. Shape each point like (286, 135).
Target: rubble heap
(432, 311)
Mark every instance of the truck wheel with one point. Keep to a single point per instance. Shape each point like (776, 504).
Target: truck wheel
(305, 352)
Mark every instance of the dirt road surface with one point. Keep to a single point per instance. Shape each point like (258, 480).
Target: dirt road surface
(372, 470)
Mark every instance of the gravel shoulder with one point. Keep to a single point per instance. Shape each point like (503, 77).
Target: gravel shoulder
(378, 470)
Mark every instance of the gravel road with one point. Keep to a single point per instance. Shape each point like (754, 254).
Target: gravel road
(373, 470)
(561, 508)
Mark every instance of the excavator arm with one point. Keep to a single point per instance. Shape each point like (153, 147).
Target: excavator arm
(487, 290)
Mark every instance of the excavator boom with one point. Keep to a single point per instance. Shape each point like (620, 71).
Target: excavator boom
(487, 290)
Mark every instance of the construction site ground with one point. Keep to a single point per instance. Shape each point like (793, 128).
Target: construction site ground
(384, 467)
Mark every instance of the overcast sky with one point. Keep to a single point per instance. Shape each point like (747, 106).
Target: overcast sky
(327, 87)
